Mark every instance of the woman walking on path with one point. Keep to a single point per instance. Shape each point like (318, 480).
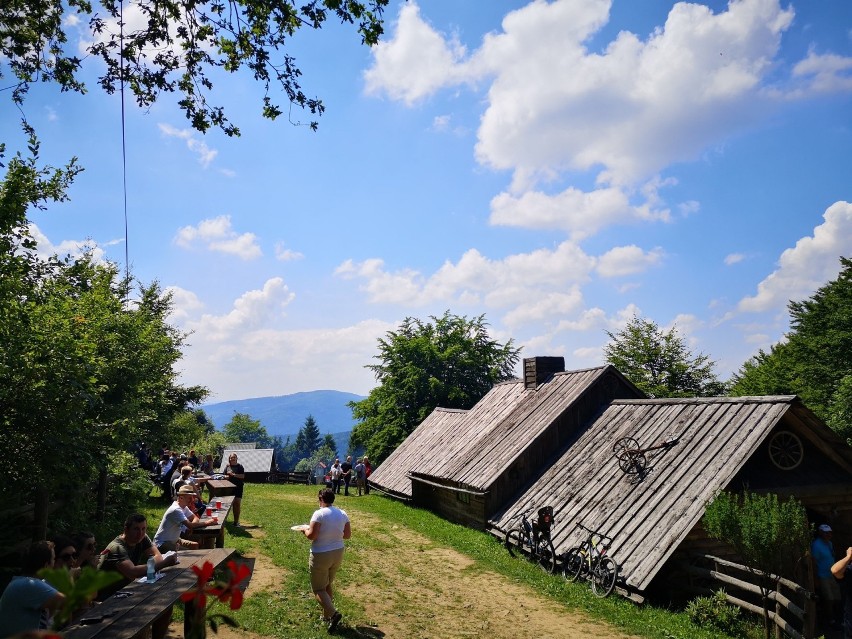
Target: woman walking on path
(328, 528)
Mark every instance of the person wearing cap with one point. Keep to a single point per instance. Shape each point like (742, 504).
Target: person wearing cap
(822, 551)
(178, 517)
(842, 571)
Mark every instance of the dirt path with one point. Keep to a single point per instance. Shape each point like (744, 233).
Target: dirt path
(437, 593)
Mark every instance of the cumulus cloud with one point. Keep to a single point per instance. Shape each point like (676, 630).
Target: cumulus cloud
(75, 248)
(415, 61)
(627, 111)
(734, 258)
(216, 234)
(812, 262)
(627, 260)
(251, 352)
(205, 154)
(283, 254)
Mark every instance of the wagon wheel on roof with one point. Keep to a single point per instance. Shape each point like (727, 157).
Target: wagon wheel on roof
(786, 450)
(631, 458)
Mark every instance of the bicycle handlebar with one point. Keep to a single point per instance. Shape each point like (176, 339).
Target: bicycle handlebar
(605, 539)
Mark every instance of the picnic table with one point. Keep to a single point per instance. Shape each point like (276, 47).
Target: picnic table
(220, 487)
(214, 534)
(129, 614)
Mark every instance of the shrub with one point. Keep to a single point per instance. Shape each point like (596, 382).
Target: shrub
(715, 612)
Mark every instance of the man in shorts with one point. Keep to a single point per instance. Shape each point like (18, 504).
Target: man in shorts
(178, 517)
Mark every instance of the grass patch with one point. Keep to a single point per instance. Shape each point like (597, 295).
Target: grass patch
(289, 610)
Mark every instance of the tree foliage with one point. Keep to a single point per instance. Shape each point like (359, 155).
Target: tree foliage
(87, 359)
(815, 360)
(769, 535)
(172, 46)
(659, 362)
(450, 361)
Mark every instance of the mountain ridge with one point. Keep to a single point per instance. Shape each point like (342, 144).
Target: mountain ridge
(285, 414)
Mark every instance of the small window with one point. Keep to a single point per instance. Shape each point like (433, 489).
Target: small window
(786, 450)
(463, 497)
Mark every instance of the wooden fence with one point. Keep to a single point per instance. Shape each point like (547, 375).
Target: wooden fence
(791, 607)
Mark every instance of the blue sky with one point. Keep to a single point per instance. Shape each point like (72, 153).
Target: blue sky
(557, 166)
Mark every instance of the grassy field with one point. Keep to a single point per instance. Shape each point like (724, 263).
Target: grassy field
(384, 528)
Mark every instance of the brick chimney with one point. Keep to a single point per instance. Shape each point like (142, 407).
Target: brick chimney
(538, 369)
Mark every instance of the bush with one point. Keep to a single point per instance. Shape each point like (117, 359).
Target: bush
(715, 612)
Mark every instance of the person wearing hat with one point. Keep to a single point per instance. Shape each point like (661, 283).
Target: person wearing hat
(822, 551)
(178, 517)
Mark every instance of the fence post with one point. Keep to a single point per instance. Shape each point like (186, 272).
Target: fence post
(777, 612)
(809, 625)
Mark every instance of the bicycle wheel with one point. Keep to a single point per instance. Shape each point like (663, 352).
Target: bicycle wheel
(579, 564)
(514, 542)
(547, 556)
(571, 563)
(604, 575)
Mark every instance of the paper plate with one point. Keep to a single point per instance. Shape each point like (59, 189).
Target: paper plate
(300, 527)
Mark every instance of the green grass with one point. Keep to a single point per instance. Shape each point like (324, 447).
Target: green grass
(291, 611)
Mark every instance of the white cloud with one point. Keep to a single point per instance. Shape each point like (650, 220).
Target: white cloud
(216, 234)
(205, 154)
(627, 112)
(75, 248)
(734, 258)
(827, 73)
(52, 116)
(251, 353)
(808, 265)
(415, 61)
(283, 254)
(627, 260)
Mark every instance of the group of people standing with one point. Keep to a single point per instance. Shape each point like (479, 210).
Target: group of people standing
(834, 582)
(343, 474)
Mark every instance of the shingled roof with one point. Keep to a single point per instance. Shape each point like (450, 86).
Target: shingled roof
(255, 460)
(471, 448)
(649, 515)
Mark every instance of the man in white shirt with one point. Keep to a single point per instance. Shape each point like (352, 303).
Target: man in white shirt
(179, 517)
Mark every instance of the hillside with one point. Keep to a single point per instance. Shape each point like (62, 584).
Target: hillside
(285, 415)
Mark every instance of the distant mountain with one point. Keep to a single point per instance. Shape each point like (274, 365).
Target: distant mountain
(285, 415)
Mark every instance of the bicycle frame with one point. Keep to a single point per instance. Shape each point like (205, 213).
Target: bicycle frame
(590, 560)
(535, 544)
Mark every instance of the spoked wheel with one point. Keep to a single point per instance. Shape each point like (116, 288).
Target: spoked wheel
(572, 564)
(547, 556)
(604, 576)
(515, 542)
(629, 454)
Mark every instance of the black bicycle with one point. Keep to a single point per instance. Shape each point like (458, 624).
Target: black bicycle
(590, 561)
(532, 538)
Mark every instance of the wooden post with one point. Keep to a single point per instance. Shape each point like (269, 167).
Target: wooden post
(809, 625)
(777, 612)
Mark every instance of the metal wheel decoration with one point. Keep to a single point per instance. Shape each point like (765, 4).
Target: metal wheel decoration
(631, 458)
(786, 450)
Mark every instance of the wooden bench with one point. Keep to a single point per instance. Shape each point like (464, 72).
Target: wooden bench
(144, 603)
(290, 477)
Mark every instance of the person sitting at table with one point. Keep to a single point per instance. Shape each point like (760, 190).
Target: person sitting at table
(84, 544)
(181, 478)
(28, 602)
(207, 465)
(237, 476)
(64, 553)
(128, 555)
(179, 516)
(193, 459)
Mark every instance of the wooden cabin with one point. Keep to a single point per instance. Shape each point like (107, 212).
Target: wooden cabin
(257, 462)
(697, 447)
(468, 465)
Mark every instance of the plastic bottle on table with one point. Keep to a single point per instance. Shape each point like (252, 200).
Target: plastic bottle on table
(152, 570)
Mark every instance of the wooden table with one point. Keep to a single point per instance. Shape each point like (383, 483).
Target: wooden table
(125, 617)
(220, 487)
(214, 535)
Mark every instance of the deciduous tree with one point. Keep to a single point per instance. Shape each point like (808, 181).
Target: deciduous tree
(815, 360)
(171, 46)
(450, 361)
(660, 363)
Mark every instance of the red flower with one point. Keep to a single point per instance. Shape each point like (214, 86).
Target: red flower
(222, 591)
(199, 593)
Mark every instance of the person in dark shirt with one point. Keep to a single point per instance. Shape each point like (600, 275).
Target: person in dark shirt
(236, 475)
(346, 467)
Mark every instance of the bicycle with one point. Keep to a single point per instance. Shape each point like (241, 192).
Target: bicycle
(590, 561)
(532, 539)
